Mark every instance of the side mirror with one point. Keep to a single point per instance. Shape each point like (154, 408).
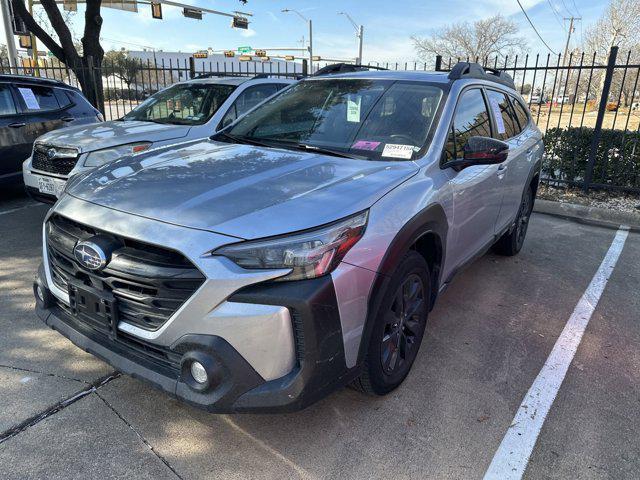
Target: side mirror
(482, 151)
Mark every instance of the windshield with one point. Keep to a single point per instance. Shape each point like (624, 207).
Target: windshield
(364, 118)
(182, 104)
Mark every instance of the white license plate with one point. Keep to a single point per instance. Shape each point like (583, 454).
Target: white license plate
(50, 186)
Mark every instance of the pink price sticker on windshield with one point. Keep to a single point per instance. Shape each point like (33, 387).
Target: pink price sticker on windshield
(365, 145)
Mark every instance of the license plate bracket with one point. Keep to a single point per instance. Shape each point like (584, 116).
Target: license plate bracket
(95, 307)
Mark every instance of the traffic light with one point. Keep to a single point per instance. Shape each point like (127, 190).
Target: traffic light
(261, 53)
(240, 22)
(156, 10)
(289, 58)
(229, 53)
(25, 41)
(201, 55)
(192, 13)
(18, 25)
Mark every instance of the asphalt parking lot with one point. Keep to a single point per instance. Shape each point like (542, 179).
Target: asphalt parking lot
(487, 340)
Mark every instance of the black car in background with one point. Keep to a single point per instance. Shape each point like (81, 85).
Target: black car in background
(30, 107)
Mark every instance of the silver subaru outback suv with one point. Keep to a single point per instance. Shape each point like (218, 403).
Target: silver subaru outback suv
(302, 248)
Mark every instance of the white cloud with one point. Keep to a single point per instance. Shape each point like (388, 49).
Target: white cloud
(249, 32)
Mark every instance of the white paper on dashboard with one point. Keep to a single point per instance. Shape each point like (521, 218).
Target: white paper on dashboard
(396, 150)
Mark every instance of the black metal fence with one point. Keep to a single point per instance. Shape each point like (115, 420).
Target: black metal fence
(586, 104)
(125, 86)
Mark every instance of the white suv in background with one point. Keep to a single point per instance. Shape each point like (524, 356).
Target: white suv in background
(185, 111)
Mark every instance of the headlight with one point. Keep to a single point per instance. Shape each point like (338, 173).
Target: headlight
(309, 255)
(100, 157)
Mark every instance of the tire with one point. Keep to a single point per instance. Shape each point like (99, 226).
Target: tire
(397, 335)
(511, 242)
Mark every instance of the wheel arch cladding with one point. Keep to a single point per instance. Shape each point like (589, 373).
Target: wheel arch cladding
(426, 233)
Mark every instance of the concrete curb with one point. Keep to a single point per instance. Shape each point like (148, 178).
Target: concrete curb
(591, 215)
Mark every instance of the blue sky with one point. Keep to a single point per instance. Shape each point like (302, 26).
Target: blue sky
(388, 24)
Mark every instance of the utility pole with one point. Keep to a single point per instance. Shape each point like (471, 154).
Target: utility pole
(566, 52)
(290, 10)
(359, 34)
(34, 45)
(310, 47)
(8, 30)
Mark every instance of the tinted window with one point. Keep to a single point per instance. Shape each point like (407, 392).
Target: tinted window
(521, 113)
(37, 98)
(370, 118)
(61, 96)
(252, 96)
(506, 123)
(248, 99)
(7, 107)
(470, 120)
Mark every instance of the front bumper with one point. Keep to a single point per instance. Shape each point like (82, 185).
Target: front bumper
(235, 386)
(32, 186)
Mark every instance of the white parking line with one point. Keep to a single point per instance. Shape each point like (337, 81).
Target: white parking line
(512, 457)
(4, 212)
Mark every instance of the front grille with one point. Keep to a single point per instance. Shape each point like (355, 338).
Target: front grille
(60, 166)
(149, 283)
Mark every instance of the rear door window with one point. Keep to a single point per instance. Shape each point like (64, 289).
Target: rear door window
(248, 99)
(503, 114)
(7, 105)
(470, 120)
(62, 97)
(521, 113)
(36, 98)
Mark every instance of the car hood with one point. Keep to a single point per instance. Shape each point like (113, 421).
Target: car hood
(97, 136)
(240, 190)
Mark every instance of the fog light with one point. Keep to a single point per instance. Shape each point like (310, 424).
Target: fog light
(198, 372)
(40, 293)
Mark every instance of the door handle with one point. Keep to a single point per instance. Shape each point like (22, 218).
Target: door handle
(67, 119)
(17, 125)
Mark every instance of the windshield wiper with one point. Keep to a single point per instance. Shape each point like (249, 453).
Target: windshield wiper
(325, 151)
(245, 140)
(288, 145)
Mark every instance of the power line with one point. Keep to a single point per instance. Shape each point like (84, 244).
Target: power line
(534, 28)
(556, 14)
(576, 7)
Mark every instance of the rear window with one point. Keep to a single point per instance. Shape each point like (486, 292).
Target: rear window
(7, 106)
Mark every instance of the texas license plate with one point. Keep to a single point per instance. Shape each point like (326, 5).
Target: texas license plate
(50, 186)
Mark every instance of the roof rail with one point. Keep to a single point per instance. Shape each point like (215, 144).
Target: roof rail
(32, 79)
(463, 70)
(344, 68)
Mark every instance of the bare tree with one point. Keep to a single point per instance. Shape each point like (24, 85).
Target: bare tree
(483, 40)
(619, 26)
(65, 49)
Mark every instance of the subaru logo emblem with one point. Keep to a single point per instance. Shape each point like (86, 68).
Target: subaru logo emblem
(51, 153)
(90, 255)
